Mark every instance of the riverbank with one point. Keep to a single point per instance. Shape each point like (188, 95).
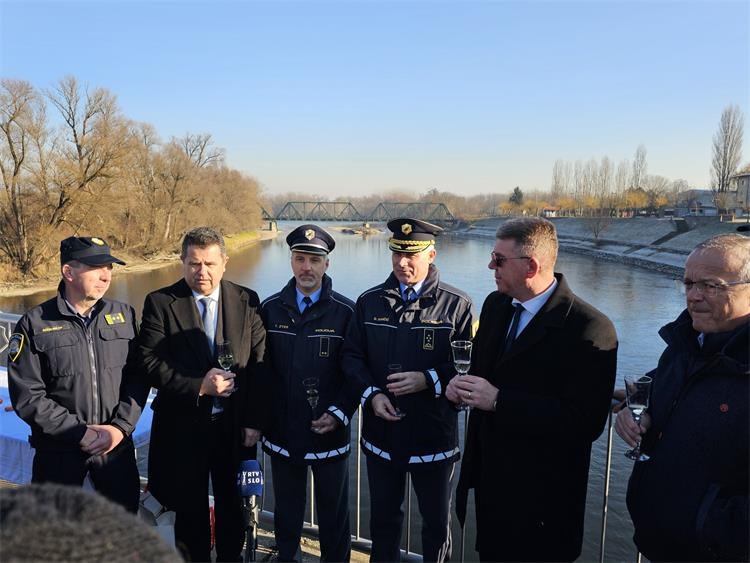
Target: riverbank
(135, 265)
(647, 242)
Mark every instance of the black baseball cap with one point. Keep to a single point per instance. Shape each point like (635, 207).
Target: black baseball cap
(411, 235)
(310, 239)
(91, 251)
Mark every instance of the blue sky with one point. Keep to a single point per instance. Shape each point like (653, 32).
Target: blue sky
(355, 97)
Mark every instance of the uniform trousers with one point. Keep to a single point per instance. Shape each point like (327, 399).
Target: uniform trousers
(432, 485)
(332, 501)
(192, 527)
(114, 475)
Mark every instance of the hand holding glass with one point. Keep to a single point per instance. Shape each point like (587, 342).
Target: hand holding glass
(312, 392)
(461, 360)
(637, 393)
(395, 368)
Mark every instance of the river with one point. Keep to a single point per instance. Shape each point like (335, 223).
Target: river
(638, 302)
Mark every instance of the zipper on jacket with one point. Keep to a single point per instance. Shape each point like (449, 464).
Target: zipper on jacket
(94, 376)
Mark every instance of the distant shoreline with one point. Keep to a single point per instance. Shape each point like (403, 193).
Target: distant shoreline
(233, 243)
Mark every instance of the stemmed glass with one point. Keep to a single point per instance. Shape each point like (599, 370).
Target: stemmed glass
(312, 392)
(461, 361)
(395, 368)
(638, 393)
(224, 355)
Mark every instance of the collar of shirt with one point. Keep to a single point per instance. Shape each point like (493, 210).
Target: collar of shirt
(417, 287)
(213, 295)
(88, 317)
(533, 306)
(314, 296)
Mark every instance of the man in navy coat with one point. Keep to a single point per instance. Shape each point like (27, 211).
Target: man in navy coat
(542, 374)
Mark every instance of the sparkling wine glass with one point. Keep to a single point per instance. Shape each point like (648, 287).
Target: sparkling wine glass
(312, 392)
(224, 355)
(461, 361)
(637, 392)
(395, 368)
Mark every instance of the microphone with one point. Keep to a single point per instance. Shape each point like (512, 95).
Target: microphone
(743, 228)
(250, 485)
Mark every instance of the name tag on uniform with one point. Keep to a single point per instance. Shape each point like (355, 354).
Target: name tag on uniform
(428, 340)
(115, 319)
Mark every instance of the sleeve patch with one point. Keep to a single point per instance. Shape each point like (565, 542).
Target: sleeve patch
(15, 346)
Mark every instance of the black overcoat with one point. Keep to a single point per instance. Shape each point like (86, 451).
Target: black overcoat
(175, 355)
(528, 461)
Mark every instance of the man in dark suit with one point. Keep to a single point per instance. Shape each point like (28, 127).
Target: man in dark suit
(204, 417)
(543, 370)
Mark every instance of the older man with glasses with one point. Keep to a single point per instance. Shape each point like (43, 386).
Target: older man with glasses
(540, 386)
(688, 495)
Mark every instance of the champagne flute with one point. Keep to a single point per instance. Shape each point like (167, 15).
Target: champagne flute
(638, 393)
(395, 368)
(312, 392)
(224, 355)
(461, 361)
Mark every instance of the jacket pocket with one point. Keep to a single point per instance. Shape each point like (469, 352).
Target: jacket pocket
(64, 351)
(115, 345)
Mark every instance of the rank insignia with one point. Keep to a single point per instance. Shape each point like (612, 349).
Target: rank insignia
(15, 346)
(97, 241)
(428, 340)
(309, 234)
(406, 228)
(115, 319)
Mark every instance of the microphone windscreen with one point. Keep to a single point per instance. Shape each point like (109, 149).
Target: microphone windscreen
(250, 478)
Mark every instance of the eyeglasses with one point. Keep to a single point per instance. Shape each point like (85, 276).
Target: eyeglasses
(709, 288)
(498, 261)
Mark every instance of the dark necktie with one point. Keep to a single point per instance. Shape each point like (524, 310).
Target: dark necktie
(410, 294)
(513, 327)
(307, 302)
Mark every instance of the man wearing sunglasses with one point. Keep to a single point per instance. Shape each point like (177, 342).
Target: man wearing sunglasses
(687, 495)
(542, 374)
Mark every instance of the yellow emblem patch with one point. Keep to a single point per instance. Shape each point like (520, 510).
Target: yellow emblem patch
(406, 228)
(115, 319)
(15, 346)
(309, 234)
(98, 241)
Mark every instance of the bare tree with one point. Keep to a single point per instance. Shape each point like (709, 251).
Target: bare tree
(21, 123)
(199, 149)
(640, 168)
(727, 148)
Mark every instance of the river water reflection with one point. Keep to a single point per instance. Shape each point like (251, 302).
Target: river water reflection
(637, 301)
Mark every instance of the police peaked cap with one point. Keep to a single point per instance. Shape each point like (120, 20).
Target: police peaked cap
(91, 251)
(310, 239)
(411, 235)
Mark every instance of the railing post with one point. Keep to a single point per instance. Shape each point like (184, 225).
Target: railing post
(607, 473)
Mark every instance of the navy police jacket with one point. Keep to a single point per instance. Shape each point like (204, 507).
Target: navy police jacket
(416, 335)
(300, 346)
(63, 375)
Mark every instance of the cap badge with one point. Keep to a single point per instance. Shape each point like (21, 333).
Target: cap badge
(309, 234)
(406, 228)
(97, 241)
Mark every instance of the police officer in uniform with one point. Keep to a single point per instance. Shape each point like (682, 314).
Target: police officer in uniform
(398, 349)
(306, 322)
(69, 380)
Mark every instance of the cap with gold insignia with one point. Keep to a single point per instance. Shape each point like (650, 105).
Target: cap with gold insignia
(411, 235)
(310, 239)
(91, 251)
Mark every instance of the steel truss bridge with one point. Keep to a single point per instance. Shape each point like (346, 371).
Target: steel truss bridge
(344, 211)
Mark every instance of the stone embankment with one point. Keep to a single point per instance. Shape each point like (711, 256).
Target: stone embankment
(647, 242)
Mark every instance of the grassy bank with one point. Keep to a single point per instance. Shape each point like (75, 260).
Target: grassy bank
(233, 242)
